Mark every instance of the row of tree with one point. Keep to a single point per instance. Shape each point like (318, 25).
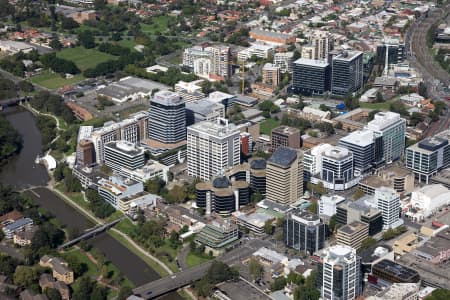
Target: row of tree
(11, 141)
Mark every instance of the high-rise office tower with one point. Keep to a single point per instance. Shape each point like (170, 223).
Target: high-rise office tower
(304, 231)
(429, 156)
(167, 122)
(362, 144)
(311, 76)
(339, 273)
(284, 176)
(388, 202)
(337, 166)
(347, 73)
(212, 148)
(390, 128)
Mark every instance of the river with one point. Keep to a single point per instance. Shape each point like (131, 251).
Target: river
(22, 172)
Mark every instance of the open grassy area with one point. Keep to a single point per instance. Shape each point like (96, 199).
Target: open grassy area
(163, 254)
(155, 266)
(267, 126)
(379, 106)
(54, 81)
(193, 259)
(115, 215)
(75, 197)
(126, 226)
(127, 43)
(84, 58)
(92, 269)
(159, 24)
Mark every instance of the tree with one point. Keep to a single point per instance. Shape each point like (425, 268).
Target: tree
(124, 293)
(379, 97)
(25, 86)
(52, 294)
(367, 243)
(69, 23)
(84, 289)
(439, 294)
(177, 194)
(86, 39)
(55, 44)
(256, 197)
(154, 186)
(333, 224)
(278, 284)
(255, 269)
(314, 207)
(25, 276)
(268, 228)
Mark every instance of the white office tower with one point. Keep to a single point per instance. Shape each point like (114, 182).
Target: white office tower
(388, 202)
(390, 127)
(212, 147)
(123, 154)
(339, 273)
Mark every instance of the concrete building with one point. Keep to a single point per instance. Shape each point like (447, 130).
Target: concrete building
(392, 272)
(362, 144)
(212, 148)
(339, 273)
(221, 195)
(304, 231)
(284, 176)
(13, 47)
(271, 37)
(151, 170)
(22, 224)
(189, 91)
(352, 234)
(308, 52)
(360, 211)
(398, 291)
(400, 179)
(311, 76)
(123, 154)
(258, 50)
(390, 128)
(85, 155)
(254, 222)
(210, 62)
(60, 269)
(347, 73)
(312, 160)
(167, 120)
(428, 200)
(337, 168)
(429, 156)
(284, 60)
(117, 190)
(322, 42)
(271, 75)
(285, 136)
(130, 89)
(388, 202)
(328, 205)
(203, 110)
(217, 236)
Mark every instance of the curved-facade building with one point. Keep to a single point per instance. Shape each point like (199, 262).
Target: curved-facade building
(258, 176)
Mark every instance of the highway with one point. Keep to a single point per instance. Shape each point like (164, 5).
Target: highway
(173, 282)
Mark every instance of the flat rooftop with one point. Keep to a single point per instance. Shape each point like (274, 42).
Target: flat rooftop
(283, 157)
(404, 273)
(311, 62)
(360, 138)
(285, 130)
(353, 227)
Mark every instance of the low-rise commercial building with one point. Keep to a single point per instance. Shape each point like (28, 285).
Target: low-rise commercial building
(390, 271)
(328, 205)
(428, 200)
(218, 236)
(352, 234)
(123, 154)
(19, 225)
(285, 136)
(254, 222)
(117, 191)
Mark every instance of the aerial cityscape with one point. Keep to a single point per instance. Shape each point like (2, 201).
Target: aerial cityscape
(225, 150)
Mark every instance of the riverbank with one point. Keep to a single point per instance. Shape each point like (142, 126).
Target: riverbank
(126, 241)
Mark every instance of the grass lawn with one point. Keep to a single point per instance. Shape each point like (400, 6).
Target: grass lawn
(127, 43)
(54, 81)
(379, 106)
(267, 126)
(115, 215)
(126, 226)
(84, 58)
(166, 249)
(193, 259)
(155, 266)
(160, 24)
(92, 269)
(75, 197)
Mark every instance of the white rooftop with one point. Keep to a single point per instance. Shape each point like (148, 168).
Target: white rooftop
(311, 62)
(360, 138)
(383, 120)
